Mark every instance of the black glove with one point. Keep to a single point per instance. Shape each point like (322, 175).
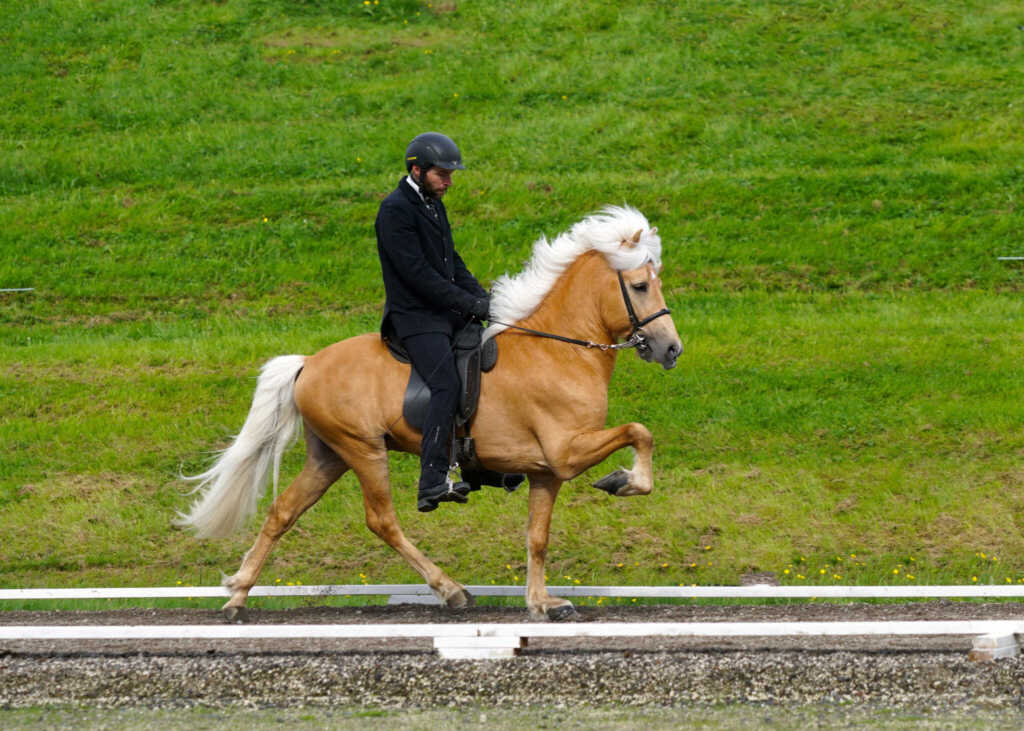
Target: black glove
(481, 308)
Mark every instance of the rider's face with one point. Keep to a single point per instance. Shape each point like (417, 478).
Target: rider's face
(435, 182)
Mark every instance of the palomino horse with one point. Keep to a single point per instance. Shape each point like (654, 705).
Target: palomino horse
(542, 409)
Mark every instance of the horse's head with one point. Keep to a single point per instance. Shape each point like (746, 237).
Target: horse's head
(644, 317)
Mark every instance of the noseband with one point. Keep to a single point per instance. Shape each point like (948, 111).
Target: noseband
(636, 339)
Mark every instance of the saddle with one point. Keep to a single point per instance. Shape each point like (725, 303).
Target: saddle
(472, 357)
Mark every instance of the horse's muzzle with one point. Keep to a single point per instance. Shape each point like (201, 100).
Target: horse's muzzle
(671, 354)
(653, 351)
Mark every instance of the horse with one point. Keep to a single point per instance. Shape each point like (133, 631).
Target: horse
(559, 325)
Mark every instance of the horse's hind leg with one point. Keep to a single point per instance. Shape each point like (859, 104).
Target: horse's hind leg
(323, 467)
(372, 471)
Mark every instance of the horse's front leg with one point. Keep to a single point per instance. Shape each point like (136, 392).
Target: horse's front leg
(587, 449)
(543, 491)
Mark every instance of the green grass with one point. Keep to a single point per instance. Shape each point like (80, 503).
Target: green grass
(190, 189)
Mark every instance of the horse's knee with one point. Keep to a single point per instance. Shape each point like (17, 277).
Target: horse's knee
(641, 436)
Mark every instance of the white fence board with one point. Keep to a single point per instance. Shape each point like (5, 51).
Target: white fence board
(759, 591)
(526, 629)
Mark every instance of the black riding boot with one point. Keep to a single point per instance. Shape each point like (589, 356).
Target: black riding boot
(436, 488)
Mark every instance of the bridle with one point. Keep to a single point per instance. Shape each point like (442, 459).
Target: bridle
(636, 339)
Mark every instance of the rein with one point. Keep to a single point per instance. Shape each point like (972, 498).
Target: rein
(637, 339)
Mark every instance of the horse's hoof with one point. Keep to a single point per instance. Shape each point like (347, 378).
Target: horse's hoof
(236, 615)
(564, 613)
(460, 600)
(611, 483)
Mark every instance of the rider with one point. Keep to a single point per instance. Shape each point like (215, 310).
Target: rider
(430, 295)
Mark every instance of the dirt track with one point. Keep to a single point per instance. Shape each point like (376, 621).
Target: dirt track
(889, 672)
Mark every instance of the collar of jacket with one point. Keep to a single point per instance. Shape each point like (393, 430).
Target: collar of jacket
(413, 196)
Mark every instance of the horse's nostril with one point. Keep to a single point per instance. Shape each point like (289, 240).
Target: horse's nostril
(674, 349)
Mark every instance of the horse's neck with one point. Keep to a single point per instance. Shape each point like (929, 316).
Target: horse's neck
(573, 306)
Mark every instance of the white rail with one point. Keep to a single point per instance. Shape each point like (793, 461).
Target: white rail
(760, 591)
(993, 638)
(523, 629)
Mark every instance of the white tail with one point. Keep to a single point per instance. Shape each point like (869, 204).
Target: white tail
(231, 489)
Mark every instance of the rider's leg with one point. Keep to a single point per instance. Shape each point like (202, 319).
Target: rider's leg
(431, 356)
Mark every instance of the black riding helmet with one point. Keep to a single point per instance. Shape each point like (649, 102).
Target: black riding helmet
(433, 149)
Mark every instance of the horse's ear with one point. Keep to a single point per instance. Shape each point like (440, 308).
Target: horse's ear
(654, 230)
(632, 240)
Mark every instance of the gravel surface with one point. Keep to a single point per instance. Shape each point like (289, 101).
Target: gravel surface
(927, 673)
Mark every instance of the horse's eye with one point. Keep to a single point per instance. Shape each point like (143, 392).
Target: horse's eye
(639, 286)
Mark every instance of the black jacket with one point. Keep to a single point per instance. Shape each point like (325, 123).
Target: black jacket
(427, 285)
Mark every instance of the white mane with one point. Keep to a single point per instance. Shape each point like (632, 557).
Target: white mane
(516, 297)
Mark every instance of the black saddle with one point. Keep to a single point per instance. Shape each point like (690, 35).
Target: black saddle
(472, 357)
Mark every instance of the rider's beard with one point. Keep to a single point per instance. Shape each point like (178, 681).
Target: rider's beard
(430, 190)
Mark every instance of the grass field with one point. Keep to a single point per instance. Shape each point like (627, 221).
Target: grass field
(189, 188)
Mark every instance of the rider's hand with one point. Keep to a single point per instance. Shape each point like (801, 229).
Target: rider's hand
(481, 309)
